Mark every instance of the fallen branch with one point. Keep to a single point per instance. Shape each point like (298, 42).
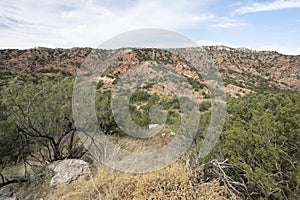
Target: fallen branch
(228, 175)
(12, 180)
(2, 179)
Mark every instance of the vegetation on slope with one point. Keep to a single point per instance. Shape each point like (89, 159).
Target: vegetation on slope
(257, 156)
(262, 137)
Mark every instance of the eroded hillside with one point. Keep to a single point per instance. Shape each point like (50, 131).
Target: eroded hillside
(243, 70)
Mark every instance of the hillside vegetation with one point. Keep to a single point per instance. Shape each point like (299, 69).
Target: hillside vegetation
(256, 157)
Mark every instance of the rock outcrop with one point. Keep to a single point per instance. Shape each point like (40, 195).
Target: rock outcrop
(7, 194)
(68, 171)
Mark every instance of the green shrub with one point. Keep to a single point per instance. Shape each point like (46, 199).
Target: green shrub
(262, 137)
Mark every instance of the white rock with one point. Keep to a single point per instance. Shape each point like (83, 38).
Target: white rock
(67, 171)
(7, 194)
(153, 126)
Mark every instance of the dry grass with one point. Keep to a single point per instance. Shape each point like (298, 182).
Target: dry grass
(173, 182)
(139, 145)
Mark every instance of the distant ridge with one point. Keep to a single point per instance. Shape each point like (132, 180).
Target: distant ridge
(243, 70)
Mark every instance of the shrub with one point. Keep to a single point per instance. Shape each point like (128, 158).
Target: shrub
(262, 137)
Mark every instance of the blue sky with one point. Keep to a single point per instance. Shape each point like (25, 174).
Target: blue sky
(261, 25)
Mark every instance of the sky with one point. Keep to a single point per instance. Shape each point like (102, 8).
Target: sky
(260, 25)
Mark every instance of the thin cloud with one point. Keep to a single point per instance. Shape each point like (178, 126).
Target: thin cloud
(270, 6)
(202, 18)
(87, 22)
(228, 25)
(70, 23)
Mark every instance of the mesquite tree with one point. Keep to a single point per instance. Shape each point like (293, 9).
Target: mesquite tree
(41, 111)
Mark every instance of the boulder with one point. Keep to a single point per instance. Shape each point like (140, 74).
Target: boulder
(153, 126)
(7, 194)
(67, 171)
